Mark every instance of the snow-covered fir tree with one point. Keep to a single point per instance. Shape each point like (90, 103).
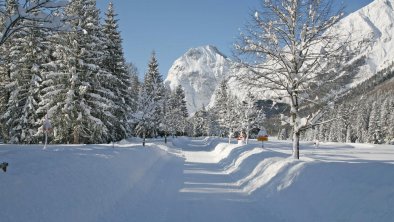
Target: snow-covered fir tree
(18, 21)
(362, 118)
(120, 80)
(200, 123)
(174, 112)
(225, 109)
(134, 86)
(166, 123)
(250, 115)
(179, 109)
(154, 87)
(144, 117)
(79, 104)
(29, 49)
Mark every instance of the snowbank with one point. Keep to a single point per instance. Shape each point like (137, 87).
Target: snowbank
(197, 180)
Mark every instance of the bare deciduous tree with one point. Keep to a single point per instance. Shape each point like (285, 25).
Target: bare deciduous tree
(43, 12)
(291, 49)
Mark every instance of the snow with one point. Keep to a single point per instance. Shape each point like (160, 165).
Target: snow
(197, 180)
(198, 71)
(372, 24)
(201, 69)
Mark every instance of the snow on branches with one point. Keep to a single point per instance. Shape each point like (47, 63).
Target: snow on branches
(43, 12)
(291, 49)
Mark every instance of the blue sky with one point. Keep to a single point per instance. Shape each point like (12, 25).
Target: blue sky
(171, 27)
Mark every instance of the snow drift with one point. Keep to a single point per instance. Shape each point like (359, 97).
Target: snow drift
(197, 180)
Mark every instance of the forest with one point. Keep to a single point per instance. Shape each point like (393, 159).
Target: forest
(74, 73)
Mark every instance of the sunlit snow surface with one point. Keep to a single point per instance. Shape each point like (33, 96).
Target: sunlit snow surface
(197, 180)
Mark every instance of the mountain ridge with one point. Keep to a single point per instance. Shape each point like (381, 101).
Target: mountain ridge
(372, 25)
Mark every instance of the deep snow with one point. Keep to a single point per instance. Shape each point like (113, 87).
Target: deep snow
(197, 180)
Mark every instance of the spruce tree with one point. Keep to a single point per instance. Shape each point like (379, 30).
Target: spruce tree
(28, 50)
(144, 117)
(225, 109)
(120, 81)
(73, 93)
(154, 87)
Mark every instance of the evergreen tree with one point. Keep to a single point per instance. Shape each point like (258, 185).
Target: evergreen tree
(119, 79)
(167, 122)
(225, 109)
(27, 51)
(154, 87)
(200, 123)
(144, 117)
(179, 107)
(374, 135)
(73, 84)
(134, 86)
(250, 115)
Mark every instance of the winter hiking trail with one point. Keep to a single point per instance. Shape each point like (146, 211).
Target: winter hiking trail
(197, 180)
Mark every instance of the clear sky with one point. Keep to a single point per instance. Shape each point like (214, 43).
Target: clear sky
(171, 27)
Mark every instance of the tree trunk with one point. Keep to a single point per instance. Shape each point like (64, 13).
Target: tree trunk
(229, 136)
(296, 145)
(165, 137)
(348, 135)
(76, 135)
(296, 131)
(247, 134)
(143, 138)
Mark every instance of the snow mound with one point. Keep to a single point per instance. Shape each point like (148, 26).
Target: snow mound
(197, 180)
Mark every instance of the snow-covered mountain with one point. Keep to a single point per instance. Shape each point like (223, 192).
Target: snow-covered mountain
(201, 69)
(373, 24)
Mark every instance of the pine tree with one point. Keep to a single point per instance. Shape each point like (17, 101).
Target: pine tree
(180, 112)
(73, 84)
(120, 80)
(225, 109)
(167, 122)
(134, 86)
(373, 124)
(154, 87)
(200, 123)
(144, 117)
(28, 51)
(250, 115)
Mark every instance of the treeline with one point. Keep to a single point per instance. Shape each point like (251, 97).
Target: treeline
(364, 115)
(228, 116)
(79, 79)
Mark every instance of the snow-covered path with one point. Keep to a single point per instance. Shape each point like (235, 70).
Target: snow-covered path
(197, 180)
(174, 189)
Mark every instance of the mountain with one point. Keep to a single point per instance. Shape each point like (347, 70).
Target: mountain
(201, 69)
(374, 26)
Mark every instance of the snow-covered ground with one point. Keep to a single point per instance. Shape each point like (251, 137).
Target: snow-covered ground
(197, 180)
